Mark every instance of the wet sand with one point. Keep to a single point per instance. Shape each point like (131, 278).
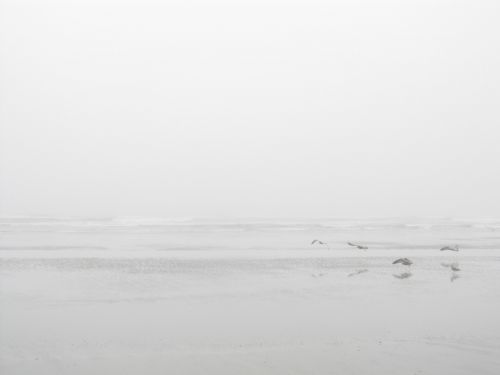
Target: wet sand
(248, 312)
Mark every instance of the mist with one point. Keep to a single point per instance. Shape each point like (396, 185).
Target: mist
(245, 109)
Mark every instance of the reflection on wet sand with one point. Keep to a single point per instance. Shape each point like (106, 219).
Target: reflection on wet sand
(357, 272)
(404, 275)
(454, 265)
(321, 274)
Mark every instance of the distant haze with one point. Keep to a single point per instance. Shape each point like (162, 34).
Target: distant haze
(250, 108)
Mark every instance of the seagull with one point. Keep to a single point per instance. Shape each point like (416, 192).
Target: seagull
(403, 261)
(454, 267)
(444, 248)
(360, 247)
(320, 243)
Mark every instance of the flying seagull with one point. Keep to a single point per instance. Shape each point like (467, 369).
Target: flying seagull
(320, 243)
(360, 247)
(444, 248)
(403, 261)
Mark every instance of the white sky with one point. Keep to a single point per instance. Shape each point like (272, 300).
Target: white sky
(250, 108)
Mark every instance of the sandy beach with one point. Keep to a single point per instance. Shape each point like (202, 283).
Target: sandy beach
(76, 300)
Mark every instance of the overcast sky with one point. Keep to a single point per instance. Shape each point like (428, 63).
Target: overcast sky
(269, 108)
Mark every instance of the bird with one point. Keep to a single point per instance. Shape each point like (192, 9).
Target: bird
(360, 247)
(450, 248)
(320, 243)
(454, 267)
(403, 261)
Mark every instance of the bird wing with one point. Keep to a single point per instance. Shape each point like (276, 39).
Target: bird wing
(351, 244)
(400, 260)
(314, 241)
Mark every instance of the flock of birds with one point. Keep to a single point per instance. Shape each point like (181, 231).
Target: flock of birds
(454, 267)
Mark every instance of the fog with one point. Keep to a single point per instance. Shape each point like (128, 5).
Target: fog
(250, 108)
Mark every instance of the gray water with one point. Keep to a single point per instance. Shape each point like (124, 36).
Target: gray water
(244, 234)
